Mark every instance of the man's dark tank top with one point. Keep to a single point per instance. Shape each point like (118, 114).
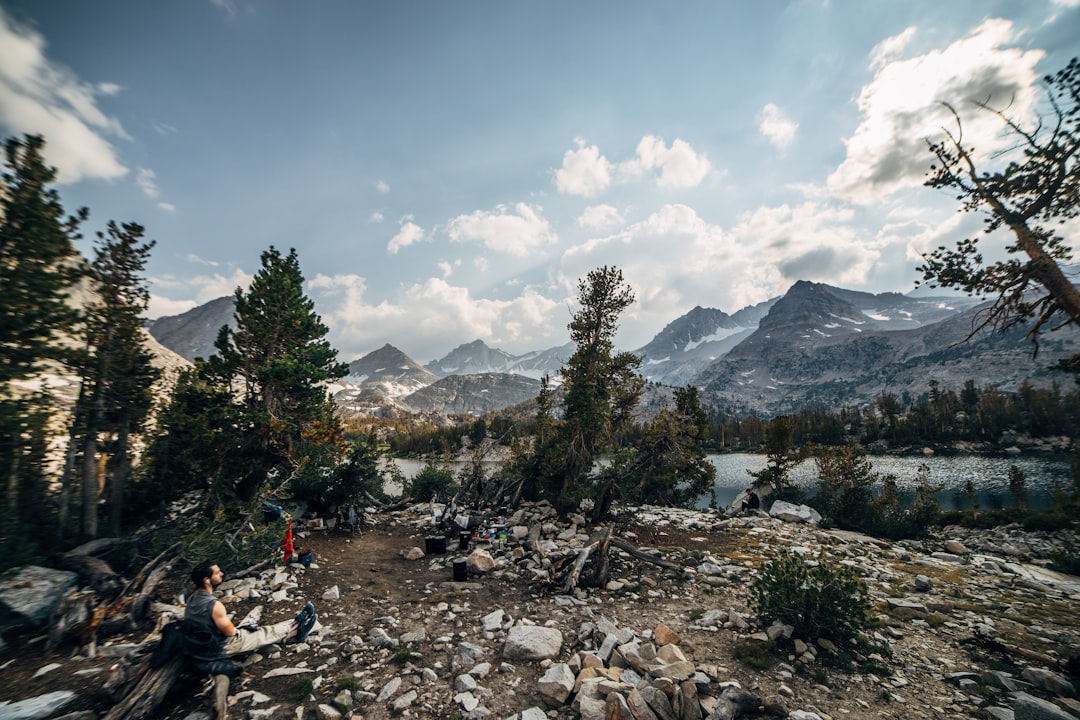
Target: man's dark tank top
(204, 640)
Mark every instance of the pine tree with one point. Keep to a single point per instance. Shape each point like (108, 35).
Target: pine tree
(119, 373)
(38, 267)
(280, 359)
(601, 387)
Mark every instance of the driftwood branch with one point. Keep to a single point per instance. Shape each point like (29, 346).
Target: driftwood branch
(150, 690)
(1006, 649)
(624, 545)
(575, 571)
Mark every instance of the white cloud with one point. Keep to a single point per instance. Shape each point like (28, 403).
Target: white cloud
(520, 231)
(146, 180)
(40, 96)
(193, 258)
(376, 217)
(890, 48)
(810, 241)
(680, 167)
(206, 288)
(108, 88)
(584, 171)
(446, 268)
(382, 186)
(167, 207)
(776, 126)
(426, 318)
(673, 260)
(160, 306)
(409, 234)
(901, 107)
(600, 217)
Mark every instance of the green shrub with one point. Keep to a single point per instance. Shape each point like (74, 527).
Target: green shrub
(433, 480)
(845, 497)
(1067, 560)
(822, 600)
(755, 654)
(301, 689)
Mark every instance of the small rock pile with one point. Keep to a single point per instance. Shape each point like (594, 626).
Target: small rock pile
(630, 677)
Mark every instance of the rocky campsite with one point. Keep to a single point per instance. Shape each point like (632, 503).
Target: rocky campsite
(964, 624)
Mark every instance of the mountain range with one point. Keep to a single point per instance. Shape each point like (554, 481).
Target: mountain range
(815, 346)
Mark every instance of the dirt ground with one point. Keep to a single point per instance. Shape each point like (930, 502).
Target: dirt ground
(379, 588)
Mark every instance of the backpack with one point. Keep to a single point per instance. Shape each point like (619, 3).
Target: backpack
(172, 643)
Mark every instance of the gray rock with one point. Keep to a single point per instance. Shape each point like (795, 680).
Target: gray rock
(34, 708)
(789, 512)
(328, 712)
(691, 707)
(956, 547)
(389, 689)
(404, 702)
(923, 583)
(343, 701)
(1000, 713)
(28, 598)
(999, 679)
(639, 706)
(533, 713)
(615, 708)
(531, 642)
(1029, 707)
(659, 703)
(1049, 681)
(904, 608)
(556, 684)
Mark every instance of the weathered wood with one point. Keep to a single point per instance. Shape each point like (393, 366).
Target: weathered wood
(92, 571)
(138, 606)
(598, 577)
(221, 696)
(575, 571)
(147, 568)
(998, 646)
(142, 700)
(624, 545)
(95, 546)
(251, 570)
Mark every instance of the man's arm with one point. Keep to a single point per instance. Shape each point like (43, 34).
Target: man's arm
(222, 621)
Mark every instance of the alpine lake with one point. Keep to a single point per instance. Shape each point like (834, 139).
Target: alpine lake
(1044, 474)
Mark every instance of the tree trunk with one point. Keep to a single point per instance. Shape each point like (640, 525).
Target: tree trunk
(64, 500)
(119, 476)
(11, 521)
(90, 493)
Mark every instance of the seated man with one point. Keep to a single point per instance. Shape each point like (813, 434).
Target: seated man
(210, 635)
(752, 501)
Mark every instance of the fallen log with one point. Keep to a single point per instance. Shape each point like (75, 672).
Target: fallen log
(221, 696)
(997, 646)
(624, 545)
(575, 571)
(151, 688)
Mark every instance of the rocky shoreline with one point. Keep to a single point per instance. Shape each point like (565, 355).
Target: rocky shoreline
(967, 623)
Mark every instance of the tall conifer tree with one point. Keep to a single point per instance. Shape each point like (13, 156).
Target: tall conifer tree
(280, 359)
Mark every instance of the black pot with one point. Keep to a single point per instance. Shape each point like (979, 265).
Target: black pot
(461, 570)
(435, 545)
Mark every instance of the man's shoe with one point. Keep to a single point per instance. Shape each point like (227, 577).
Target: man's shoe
(304, 615)
(306, 626)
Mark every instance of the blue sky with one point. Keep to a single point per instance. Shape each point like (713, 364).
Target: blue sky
(448, 170)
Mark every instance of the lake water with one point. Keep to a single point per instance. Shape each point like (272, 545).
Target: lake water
(989, 475)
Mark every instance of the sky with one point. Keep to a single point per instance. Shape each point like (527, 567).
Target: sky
(449, 171)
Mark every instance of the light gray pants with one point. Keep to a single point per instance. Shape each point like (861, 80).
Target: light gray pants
(245, 641)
